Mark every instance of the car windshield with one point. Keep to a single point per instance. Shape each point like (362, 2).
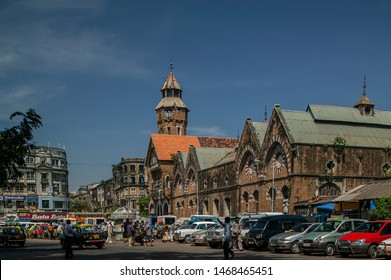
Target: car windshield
(260, 225)
(300, 227)
(370, 227)
(249, 224)
(328, 226)
(192, 226)
(89, 229)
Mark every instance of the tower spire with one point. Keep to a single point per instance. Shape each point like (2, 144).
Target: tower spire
(171, 67)
(364, 87)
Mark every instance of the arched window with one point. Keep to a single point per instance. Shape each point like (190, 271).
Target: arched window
(329, 189)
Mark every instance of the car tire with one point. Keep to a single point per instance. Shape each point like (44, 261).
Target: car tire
(372, 252)
(329, 250)
(187, 239)
(295, 249)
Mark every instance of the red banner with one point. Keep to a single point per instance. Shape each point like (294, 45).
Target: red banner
(47, 216)
(24, 215)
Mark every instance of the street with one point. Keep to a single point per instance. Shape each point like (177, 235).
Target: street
(43, 249)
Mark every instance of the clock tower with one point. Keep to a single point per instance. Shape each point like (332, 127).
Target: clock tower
(171, 112)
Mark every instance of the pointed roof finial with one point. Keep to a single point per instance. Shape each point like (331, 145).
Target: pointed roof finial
(265, 118)
(364, 87)
(171, 66)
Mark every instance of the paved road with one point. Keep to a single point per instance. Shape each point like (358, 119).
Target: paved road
(38, 249)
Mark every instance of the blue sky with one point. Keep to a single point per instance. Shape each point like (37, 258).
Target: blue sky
(93, 69)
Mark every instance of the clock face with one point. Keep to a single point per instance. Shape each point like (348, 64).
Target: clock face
(168, 113)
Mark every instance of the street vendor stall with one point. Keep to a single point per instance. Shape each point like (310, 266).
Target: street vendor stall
(119, 216)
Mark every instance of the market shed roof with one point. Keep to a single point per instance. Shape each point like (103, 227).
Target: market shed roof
(369, 191)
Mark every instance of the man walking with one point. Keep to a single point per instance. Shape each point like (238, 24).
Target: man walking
(68, 233)
(130, 233)
(227, 238)
(236, 235)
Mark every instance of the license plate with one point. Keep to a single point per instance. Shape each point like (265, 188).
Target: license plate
(96, 236)
(209, 239)
(17, 237)
(306, 244)
(250, 242)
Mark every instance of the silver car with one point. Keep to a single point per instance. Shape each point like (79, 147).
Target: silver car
(288, 241)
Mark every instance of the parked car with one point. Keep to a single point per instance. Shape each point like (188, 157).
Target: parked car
(177, 230)
(184, 234)
(10, 235)
(85, 235)
(324, 237)
(384, 249)
(364, 239)
(199, 238)
(289, 241)
(248, 224)
(266, 227)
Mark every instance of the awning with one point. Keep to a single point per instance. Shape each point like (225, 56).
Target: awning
(327, 206)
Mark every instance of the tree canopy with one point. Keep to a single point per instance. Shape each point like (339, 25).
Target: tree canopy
(16, 143)
(382, 210)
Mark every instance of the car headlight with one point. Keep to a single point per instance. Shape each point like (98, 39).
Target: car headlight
(382, 243)
(318, 240)
(359, 242)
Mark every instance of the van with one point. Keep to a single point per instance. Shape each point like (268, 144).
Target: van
(266, 227)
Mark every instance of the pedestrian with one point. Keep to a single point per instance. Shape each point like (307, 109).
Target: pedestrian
(68, 234)
(125, 226)
(109, 239)
(148, 235)
(236, 235)
(130, 233)
(51, 231)
(166, 234)
(227, 238)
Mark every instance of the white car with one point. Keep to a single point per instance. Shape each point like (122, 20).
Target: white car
(384, 249)
(184, 234)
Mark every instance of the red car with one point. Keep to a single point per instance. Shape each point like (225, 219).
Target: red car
(364, 239)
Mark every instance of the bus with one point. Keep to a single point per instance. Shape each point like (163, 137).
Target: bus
(202, 218)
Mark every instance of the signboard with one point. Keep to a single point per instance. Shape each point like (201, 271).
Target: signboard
(24, 215)
(47, 216)
(17, 198)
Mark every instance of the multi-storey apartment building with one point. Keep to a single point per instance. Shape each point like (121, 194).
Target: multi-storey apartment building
(130, 183)
(43, 185)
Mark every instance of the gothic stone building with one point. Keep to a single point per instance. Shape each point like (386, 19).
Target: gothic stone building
(297, 160)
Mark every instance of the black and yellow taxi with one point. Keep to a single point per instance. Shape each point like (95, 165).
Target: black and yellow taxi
(10, 235)
(85, 235)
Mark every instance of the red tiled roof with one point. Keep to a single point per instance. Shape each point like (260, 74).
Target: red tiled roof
(218, 142)
(166, 144)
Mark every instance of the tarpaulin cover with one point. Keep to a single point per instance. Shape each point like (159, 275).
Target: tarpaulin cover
(327, 206)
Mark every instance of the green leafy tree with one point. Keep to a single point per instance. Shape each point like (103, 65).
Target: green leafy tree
(79, 205)
(16, 143)
(143, 203)
(382, 210)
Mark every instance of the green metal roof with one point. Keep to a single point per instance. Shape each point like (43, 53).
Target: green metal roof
(210, 157)
(322, 124)
(260, 130)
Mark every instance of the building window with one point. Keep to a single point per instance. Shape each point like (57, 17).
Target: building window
(141, 180)
(132, 180)
(58, 204)
(31, 188)
(141, 169)
(55, 162)
(30, 175)
(179, 130)
(29, 160)
(56, 188)
(19, 189)
(132, 168)
(168, 130)
(45, 204)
